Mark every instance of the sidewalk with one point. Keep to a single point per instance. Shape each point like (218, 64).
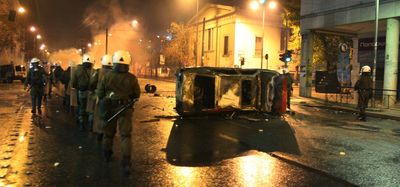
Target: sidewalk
(319, 100)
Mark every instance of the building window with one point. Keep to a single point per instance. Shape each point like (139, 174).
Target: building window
(258, 47)
(226, 45)
(209, 40)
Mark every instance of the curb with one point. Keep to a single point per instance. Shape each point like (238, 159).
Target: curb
(348, 109)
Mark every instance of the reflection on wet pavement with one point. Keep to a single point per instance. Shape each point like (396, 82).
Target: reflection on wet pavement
(212, 151)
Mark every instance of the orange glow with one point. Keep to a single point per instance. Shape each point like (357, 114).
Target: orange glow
(254, 5)
(272, 4)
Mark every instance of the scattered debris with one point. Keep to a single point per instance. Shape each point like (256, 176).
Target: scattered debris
(56, 164)
(48, 127)
(150, 120)
(57, 111)
(156, 95)
(342, 153)
(28, 173)
(79, 147)
(166, 117)
(164, 149)
(248, 118)
(149, 88)
(260, 130)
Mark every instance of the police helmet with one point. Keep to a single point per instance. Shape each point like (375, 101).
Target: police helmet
(365, 69)
(35, 60)
(121, 57)
(86, 58)
(106, 60)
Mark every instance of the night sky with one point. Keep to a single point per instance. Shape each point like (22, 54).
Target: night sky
(61, 21)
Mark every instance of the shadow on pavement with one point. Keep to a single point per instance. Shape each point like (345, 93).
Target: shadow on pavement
(204, 141)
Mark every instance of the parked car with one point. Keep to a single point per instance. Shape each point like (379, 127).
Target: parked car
(9, 73)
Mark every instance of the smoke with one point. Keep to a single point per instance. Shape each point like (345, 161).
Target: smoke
(66, 57)
(123, 32)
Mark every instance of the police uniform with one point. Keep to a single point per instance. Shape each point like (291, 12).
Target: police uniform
(80, 81)
(106, 62)
(364, 88)
(36, 79)
(119, 87)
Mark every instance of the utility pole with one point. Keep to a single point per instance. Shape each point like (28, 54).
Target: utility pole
(202, 43)
(107, 40)
(197, 33)
(375, 49)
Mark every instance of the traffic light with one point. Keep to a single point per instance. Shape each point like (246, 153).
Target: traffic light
(282, 57)
(286, 57)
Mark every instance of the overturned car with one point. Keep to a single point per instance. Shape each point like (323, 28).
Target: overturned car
(206, 90)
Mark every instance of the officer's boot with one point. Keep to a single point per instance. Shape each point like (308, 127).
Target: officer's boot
(126, 165)
(107, 155)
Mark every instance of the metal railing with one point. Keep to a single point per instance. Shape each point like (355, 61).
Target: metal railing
(381, 99)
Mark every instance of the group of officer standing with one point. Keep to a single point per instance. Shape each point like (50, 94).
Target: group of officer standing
(100, 94)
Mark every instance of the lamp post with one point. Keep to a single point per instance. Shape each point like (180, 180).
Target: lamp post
(255, 5)
(375, 49)
(197, 32)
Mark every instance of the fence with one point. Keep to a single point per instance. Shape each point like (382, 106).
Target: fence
(381, 99)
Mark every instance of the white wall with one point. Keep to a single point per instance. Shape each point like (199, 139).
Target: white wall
(246, 41)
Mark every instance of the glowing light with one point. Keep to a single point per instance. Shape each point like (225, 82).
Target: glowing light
(134, 23)
(89, 45)
(39, 36)
(21, 10)
(254, 5)
(158, 36)
(42, 47)
(261, 1)
(272, 4)
(32, 29)
(21, 138)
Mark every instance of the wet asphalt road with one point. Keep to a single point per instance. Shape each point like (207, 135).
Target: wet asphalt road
(296, 150)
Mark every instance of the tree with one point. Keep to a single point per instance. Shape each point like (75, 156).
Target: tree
(326, 50)
(292, 16)
(7, 39)
(176, 50)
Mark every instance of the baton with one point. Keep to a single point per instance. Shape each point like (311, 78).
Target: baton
(121, 110)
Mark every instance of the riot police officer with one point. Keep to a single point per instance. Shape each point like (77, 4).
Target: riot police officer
(80, 81)
(36, 80)
(106, 66)
(118, 88)
(364, 88)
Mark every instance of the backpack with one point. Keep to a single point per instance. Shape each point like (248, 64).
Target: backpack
(37, 77)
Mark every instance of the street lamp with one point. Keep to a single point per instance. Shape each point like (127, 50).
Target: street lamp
(32, 29)
(38, 36)
(21, 10)
(42, 47)
(134, 23)
(254, 5)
